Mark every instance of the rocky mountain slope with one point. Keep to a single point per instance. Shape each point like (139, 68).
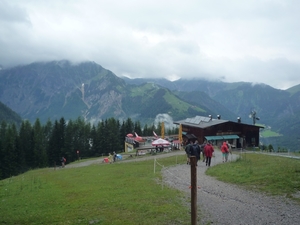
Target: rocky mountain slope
(60, 89)
(51, 90)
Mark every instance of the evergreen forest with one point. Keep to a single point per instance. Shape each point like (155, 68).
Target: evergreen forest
(38, 146)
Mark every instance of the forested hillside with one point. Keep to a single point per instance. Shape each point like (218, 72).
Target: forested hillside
(52, 90)
(278, 110)
(9, 116)
(37, 145)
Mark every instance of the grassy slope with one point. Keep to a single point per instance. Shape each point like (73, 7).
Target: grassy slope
(269, 133)
(294, 89)
(271, 174)
(126, 193)
(129, 193)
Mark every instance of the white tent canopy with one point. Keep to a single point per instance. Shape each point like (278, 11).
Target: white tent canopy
(160, 141)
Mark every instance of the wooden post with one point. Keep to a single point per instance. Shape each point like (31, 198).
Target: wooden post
(193, 162)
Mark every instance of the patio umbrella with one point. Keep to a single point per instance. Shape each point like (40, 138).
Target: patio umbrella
(129, 135)
(160, 142)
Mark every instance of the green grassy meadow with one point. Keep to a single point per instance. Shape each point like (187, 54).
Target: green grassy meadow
(130, 193)
(120, 193)
(269, 133)
(273, 175)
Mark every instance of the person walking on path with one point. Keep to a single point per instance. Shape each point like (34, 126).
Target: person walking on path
(208, 150)
(110, 158)
(63, 162)
(202, 150)
(114, 156)
(224, 150)
(196, 151)
(229, 151)
(188, 150)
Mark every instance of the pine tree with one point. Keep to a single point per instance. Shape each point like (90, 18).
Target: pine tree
(39, 145)
(10, 152)
(56, 143)
(95, 142)
(112, 135)
(26, 144)
(101, 135)
(3, 127)
(137, 127)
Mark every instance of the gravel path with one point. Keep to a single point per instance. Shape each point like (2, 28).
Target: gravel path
(221, 203)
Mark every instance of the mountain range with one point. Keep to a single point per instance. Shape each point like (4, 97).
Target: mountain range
(51, 90)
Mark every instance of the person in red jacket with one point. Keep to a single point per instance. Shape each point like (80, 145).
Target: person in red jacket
(225, 151)
(208, 150)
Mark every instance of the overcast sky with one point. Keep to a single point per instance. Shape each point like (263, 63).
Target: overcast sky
(230, 40)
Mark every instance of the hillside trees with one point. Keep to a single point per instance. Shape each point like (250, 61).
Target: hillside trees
(26, 145)
(38, 146)
(56, 142)
(9, 152)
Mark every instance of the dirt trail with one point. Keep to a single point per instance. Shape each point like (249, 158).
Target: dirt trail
(127, 159)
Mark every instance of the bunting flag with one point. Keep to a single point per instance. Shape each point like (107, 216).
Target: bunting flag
(155, 134)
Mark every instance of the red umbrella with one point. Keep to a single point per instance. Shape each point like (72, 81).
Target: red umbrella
(129, 135)
(160, 141)
(139, 139)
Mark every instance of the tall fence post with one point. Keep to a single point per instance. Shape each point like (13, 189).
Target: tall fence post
(193, 162)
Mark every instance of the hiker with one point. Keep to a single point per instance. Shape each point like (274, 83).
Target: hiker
(224, 150)
(229, 150)
(196, 151)
(208, 150)
(63, 161)
(115, 156)
(110, 158)
(202, 150)
(188, 152)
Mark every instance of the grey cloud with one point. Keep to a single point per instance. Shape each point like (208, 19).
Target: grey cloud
(255, 41)
(12, 13)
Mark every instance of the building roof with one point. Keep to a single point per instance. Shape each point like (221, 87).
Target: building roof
(222, 137)
(200, 121)
(204, 122)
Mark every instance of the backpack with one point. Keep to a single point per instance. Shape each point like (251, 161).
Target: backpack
(194, 150)
(188, 149)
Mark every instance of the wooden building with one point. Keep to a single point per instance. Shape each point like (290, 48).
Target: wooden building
(217, 130)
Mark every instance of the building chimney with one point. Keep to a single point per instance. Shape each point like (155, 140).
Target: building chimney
(219, 117)
(210, 117)
(239, 119)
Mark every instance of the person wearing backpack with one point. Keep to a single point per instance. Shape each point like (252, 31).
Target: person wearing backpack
(188, 149)
(196, 151)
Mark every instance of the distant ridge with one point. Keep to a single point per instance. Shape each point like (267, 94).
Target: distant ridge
(9, 116)
(51, 90)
